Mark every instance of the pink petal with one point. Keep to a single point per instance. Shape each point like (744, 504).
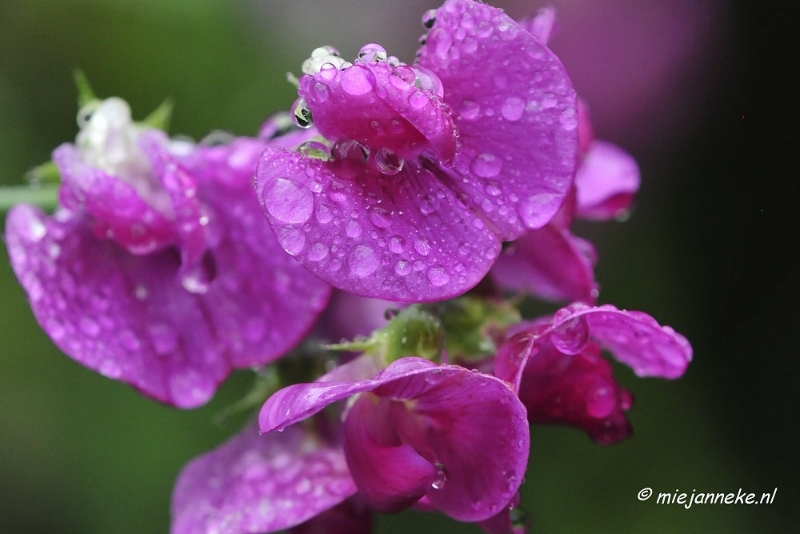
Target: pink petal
(606, 181)
(543, 25)
(260, 483)
(549, 263)
(515, 110)
(403, 237)
(117, 210)
(379, 106)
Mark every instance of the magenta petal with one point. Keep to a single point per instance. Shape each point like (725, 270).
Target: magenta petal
(606, 181)
(550, 263)
(578, 390)
(403, 237)
(543, 25)
(297, 402)
(117, 210)
(124, 316)
(472, 427)
(390, 477)
(515, 110)
(379, 106)
(260, 483)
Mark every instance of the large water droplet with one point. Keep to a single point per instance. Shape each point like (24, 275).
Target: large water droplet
(397, 244)
(513, 108)
(197, 278)
(357, 80)
(318, 252)
(363, 261)
(427, 80)
(440, 478)
(388, 162)
(292, 240)
(288, 203)
(324, 214)
(600, 401)
(422, 247)
(380, 217)
(571, 336)
(486, 165)
(301, 114)
(402, 267)
(352, 229)
(438, 276)
(371, 53)
(315, 150)
(348, 149)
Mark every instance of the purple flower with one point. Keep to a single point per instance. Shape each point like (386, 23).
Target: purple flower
(416, 429)
(555, 365)
(551, 262)
(433, 165)
(156, 269)
(265, 483)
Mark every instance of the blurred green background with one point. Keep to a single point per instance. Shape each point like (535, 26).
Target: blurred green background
(80, 453)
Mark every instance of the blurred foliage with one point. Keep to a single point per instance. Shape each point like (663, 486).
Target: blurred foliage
(80, 453)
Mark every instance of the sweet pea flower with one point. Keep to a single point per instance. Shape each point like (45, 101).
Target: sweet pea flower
(551, 262)
(257, 483)
(432, 165)
(156, 270)
(457, 438)
(555, 366)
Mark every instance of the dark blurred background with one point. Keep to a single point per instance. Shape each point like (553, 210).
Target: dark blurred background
(697, 90)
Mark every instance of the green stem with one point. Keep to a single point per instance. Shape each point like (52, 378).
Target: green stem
(45, 196)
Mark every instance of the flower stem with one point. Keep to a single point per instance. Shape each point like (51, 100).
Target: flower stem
(45, 196)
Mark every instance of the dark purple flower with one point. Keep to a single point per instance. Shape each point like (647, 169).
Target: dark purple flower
(555, 365)
(416, 429)
(432, 165)
(264, 483)
(157, 269)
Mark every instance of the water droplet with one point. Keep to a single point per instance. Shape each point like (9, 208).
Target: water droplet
(380, 217)
(348, 149)
(363, 261)
(402, 267)
(418, 100)
(140, 292)
(493, 188)
(600, 401)
(520, 520)
(419, 265)
(301, 114)
(357, 80)
(388, 162)
(513, 108)
(352, 229)
(440, 479)
(470, 45)
(549, 100)
(422, 247)
(292, 240)
(324, 214)
(315, 150)
(486, 165)
(163, 337)
(318, 252)
(571, 336)
(371, 53)
(397, 244)
(439, 41)
(288, 203)
(427, 80)
(429, 18)
(438, 276)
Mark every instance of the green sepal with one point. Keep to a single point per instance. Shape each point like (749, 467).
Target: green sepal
(161, 116)
(46, 173)
(266, 383)
(85, 93)
(475, 326)
(415, 331)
